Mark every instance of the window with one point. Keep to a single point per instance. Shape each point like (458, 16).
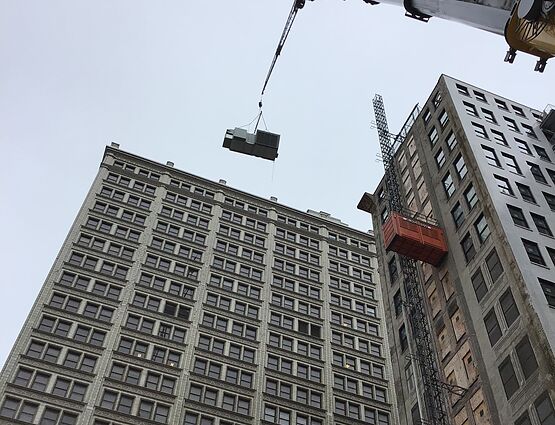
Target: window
(40, 382)
(27, 412)
(544, 409)
(524, 419)
(550, 199)
(393, 272)
(492, 327)
(460, 167)
(541, 224)
(490, 117)
(51, 416)
(499, 137)
(537, 173)
(210, 397)
(470, 109)
(10, 407)
(125, 404)
(462, 89)
(548, 289)
(491, 156)
(443, 119)
(36, 349)
(479, 285)
(501, 104)
(440, 158)
(78, 391)
(448, 185)
(494, 265)
(511, 124)
(533, 251)
(437, 99)
(542, 153)
(551, 253)
(518, 216)
(538, 116)
(384, 215)
(480, 130)
(61, 387)
(482, 228)
(195, 392)
(458, 214)
(551, 174)
(480, 96)
(340, 407)
(451, 140)
(468, 247)
(503, 185)
(470, 196)
(511, 163)
(510, 310)
(526, 192)
(354, 411)
(523, 146)
(426, 116)
(403, 338)
(529, 131)
(526, 357)
(23, 377)
(270, 415)
(518, 110)
(433, 136)
(508, 377)
(145, 409)
(398, 303)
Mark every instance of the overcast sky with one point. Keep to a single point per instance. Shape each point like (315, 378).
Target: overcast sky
(166, 78)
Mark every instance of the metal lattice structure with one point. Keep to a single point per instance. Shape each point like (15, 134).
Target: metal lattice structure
(434, 401)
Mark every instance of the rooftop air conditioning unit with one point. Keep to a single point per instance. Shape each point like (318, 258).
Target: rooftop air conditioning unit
(262, 144)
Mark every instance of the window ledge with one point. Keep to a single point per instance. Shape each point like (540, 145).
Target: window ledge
(522, 227)
(543, 266)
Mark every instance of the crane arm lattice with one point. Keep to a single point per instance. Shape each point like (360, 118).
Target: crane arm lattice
(297, 5)
(393, 194)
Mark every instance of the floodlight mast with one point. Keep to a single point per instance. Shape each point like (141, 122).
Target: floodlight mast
(433, 395)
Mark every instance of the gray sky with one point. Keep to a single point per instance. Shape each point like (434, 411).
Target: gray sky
(166, 78)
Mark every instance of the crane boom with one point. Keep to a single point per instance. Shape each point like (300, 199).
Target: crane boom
(297, 5)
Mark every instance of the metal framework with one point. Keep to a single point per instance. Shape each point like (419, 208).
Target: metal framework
(434, 402)
(297, 5)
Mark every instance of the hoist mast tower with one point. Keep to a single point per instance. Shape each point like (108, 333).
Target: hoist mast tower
(412, 238)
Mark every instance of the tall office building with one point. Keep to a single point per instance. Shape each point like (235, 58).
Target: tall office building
(483, 167)
(178, 300)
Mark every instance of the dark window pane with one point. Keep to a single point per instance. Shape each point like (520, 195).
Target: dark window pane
(508, 377)
(526, 357)
(479, 284)
(492, 327)
(510, 310)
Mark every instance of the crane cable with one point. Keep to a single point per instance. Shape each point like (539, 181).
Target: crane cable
(297, 4)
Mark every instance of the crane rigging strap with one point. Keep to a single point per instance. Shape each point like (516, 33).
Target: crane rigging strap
(260, 116)
(247, 125)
